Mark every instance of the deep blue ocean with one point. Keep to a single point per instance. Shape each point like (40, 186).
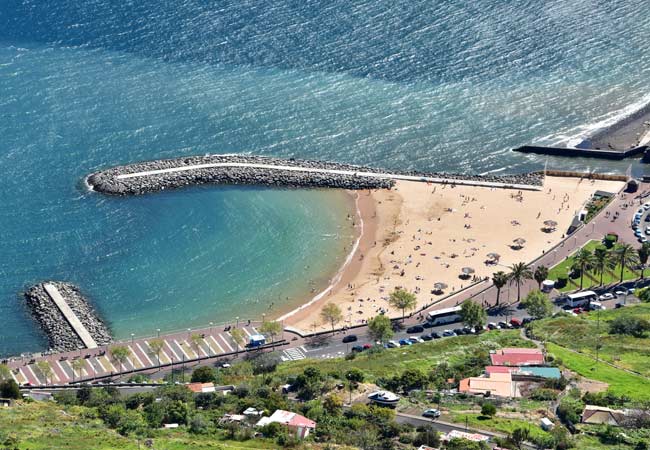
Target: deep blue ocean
(438, 85)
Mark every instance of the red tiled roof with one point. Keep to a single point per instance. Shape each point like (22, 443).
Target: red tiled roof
(516, 359)
(500, 369)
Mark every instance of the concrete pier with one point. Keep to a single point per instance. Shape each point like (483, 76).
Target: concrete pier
(70, 316)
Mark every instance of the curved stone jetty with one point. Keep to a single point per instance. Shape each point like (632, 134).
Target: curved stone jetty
(153, 176)
(70, 326)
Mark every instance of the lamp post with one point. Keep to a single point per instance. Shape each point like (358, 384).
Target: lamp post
(237, 319)
(263, 317)
(132, 337)
(158, 331)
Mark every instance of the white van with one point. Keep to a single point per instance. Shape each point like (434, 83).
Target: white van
(595, 306)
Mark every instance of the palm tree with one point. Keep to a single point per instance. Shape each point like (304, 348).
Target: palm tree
(602, 261)
(519, 273)
(626, 256)
(499, 279)
(643, 253)
(541, 273)
(583, 261)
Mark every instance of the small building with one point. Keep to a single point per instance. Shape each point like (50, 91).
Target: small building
(252, 412)
(6, 402)
(517, 357)
(546, 424)
(201, 388)
(39, 396)
(296, 423)
(601, 415)
(494, 384)
(526, 371)
(232, 418)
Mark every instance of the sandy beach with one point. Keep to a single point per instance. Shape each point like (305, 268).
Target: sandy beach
(418, 234)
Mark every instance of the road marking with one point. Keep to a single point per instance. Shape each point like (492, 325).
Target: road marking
(217, 344)
(145, 354)
(172, 350)
(225, 342)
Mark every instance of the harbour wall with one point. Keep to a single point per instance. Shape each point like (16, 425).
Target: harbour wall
(583, 152)
(60, 334)
(121, 180)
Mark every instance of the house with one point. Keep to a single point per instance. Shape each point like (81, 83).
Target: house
(296, 423)
(201, 388)
(602, 415)
(230, 418)
(517, 357)
(494, 384)
(546, 424)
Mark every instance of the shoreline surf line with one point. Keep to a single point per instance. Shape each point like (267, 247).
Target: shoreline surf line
(339, 274)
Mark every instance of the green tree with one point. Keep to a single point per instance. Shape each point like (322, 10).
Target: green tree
(354, 377)
(518, 437)
(627, 257)
(380, 329)
(634, 326)
(45, 368)
(271, 329)
(465, 444)
(643, 253)
(333, 404)
(499, 279)
(488, 409)
(156, 346)
(540, 274)
(473, 314)
(130, 422)
(195, 342)
(5, 372)
(204, 374)
(583, 260)
(120, 353)
(237, 336)
(402, 299)
(602, 261)
(519, 273)
(9, 389)
(331, 314)
(77, 365)
(537, 304)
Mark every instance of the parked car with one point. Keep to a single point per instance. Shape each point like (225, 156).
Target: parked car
(415, 329)
(492, 326)
(576, 310)
(357, 348)
(469, 330)
(448, 333)
(643, 239)
(403, 342)
(426, 337)
(504, 325)
(367, 346)
(350, 338)
(392, 344)
(435, 335)
(431, 412)
(459, 331)
(620, 293)
(527, 320)
(516, 323)
(647, 218)
(607, 296)
(416, 339)
(427, 325)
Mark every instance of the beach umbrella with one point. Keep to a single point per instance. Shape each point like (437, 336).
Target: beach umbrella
(494, 256)
(439, 286)
(519, 242)
(550, 223)
(467, 270)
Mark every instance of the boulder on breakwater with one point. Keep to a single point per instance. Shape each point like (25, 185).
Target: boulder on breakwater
(110, 181)
(60, 334)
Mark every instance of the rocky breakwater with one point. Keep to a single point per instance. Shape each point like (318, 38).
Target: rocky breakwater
(152, 176)
(60, 334)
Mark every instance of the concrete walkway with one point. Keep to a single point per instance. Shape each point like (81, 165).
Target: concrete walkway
(70, 316)
(390, 176)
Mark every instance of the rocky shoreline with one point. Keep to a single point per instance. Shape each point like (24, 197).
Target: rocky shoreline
(107, 181)
(61, 336)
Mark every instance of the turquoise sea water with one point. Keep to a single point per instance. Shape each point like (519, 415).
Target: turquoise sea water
(439, 85)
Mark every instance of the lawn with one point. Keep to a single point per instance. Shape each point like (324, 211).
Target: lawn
(499, 424)
(590, 279)
(584, 332)
(46, 425)
(423, 356)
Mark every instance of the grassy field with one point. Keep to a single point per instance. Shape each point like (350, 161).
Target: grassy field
(499, 424)
(590, 279)
(45, 425)
(421, 356)
(584, 332)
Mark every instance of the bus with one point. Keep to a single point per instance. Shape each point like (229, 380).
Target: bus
(443, 316)
(581, 298)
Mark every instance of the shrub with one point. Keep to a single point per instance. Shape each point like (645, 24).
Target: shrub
(634, 326)
(562, 281)
(488, 409)
(610, 240)
(204, 374)
(543, 394)
(9, 389)
(199, 424)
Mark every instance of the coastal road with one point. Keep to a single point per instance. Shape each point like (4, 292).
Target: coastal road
(390, 176)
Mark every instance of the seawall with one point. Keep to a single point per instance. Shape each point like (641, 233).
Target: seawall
(582, 152)
(153, 176)
(60, 334)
